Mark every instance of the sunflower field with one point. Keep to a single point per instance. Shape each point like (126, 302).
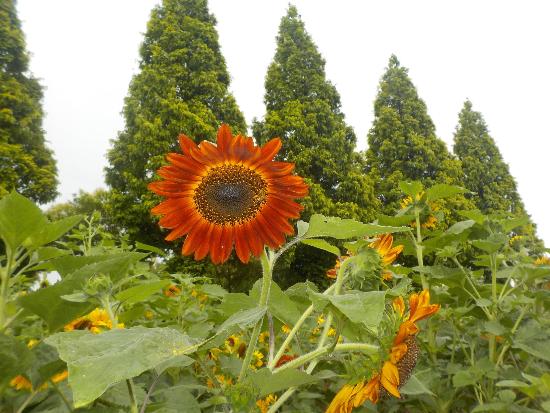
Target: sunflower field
(281, 272)
(460, 324)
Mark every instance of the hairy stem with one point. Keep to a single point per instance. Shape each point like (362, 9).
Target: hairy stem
(4, 291)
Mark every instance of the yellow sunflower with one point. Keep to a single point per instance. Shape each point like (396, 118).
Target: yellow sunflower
(97, 321)
(231, 193)
(383, 244)
(398, 366)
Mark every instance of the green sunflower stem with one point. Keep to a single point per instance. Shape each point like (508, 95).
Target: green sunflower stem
(294, 330)
(267, 269)
(419, 249)
(314, 356)
(4, 289)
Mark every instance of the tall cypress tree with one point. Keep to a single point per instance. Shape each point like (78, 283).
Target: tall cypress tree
(485, 172)
(303, 109)
(182, 87)
(26, 164)
(403, 145)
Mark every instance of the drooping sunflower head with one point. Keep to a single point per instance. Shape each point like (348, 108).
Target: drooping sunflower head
(384, 246)
(228, 194)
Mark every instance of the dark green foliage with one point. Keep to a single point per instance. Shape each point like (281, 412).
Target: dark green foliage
(403, 145)
(182, 87)
(485, 172)
(26, 164)
(303, 109)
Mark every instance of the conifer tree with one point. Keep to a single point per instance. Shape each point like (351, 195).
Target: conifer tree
(485, 172)
(182, 87)
(26, 164)
(403, 145)
(303, 109)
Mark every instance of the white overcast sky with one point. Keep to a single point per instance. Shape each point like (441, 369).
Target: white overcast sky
(495, 53)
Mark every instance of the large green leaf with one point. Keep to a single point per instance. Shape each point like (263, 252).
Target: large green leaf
(414, 387)
(322, 245)
(19, 219)
(52, 231)
(411, 188)
(238, 321)
(359, 307)
(279, 304)
(141, 292)
(48, 303)
(439, 191)
(334, 227)
(267, 382)
(15, 358)
(97, 361)
(174, 399)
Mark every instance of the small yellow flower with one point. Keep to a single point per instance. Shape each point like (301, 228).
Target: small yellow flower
(286, 329)
(263, 404)
(20, 383)
(32, 342)
(331, 332)
(544, 260)
(149, 314)
(232, 344)
(263, 337)
(172, 291)
(224, 381)
(320, 319)
(194, 293)
(515, 239)
(258, 362)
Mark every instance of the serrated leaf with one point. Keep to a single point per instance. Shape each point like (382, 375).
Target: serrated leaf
(440, 191)
(460, 227)
(52, 231)
(141, 292)
(48, 303)
(268, 382)
(302, 228)
(97, 361)
(145, 247)
(279, 304)
(366, 308)
(411, 188)
(334, 227)
(20, 218)
(414, 387)
(513, 223)
(322, 245)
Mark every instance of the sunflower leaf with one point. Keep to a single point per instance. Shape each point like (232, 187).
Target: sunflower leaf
(20, 218)
(97, 361)
(439, 191)
(334, 227)
(322, 245)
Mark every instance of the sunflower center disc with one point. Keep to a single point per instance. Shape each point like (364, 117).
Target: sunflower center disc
(230, 194)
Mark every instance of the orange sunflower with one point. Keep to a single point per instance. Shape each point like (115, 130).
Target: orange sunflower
(231, 193)
(398, 366)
